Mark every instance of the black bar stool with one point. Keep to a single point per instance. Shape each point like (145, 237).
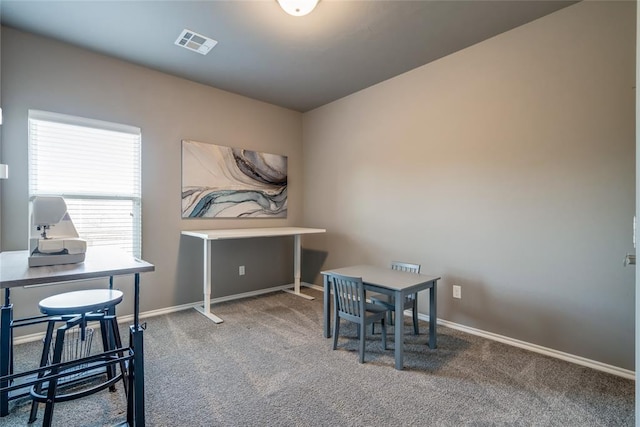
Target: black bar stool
(76, 309)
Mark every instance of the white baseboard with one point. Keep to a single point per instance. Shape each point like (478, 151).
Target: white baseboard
(593, 364)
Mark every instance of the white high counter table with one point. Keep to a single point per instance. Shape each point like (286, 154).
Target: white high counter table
(208, 236)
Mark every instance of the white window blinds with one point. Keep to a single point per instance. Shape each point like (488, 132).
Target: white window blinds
(95, 166)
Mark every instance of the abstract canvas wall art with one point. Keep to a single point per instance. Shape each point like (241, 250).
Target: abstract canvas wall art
(226, 182)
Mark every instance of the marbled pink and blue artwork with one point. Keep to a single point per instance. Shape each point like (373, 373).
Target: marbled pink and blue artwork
(226, 182)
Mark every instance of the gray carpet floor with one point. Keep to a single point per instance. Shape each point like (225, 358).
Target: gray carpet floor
(268, 365)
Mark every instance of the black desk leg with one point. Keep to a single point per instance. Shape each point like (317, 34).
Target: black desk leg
(6, 314)
(137, 370)
(135, 399)
(131, 382)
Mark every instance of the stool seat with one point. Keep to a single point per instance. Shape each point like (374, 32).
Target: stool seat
(79, 302)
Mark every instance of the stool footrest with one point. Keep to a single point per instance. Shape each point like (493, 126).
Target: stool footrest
(13, 377)
(75, 395)
(95, 369)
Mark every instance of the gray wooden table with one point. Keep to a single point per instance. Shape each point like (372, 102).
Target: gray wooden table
(399, 284)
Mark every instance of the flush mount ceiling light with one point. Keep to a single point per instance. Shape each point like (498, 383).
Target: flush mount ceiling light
(196, 42)
(297, 7)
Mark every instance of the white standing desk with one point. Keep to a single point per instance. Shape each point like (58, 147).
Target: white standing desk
(208, 236)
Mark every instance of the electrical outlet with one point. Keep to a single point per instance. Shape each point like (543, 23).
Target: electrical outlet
(241, 270)
(457, 291)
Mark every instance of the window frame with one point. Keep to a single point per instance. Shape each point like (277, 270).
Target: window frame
(135, 198)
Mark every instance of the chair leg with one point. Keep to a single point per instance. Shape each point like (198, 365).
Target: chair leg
(416, 330)
(362, 328)
(336, 331)
(384, 334)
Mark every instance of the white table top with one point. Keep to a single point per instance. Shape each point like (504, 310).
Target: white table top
(384, 277)
(243, 233)
(99, 262)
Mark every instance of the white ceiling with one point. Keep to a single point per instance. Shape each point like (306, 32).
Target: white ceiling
(296, 62)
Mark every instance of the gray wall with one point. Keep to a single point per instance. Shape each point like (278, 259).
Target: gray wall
(506, 168)
(38, 73)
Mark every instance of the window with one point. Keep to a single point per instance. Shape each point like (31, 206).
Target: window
(95, 166)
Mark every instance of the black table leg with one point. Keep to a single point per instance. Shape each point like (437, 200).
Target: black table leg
(135, 399)
(136, 342)
(6, 314)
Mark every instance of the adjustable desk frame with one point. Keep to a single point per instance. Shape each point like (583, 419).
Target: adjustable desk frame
(208, 236)
(99, 263)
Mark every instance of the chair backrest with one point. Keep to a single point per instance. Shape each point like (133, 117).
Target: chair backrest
(348, 294)
(405, 266)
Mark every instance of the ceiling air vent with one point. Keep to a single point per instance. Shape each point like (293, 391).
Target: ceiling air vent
(196, 42)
